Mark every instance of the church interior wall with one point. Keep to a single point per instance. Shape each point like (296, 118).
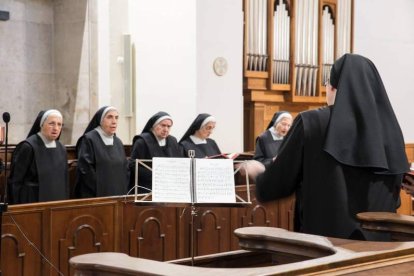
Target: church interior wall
(26, 56)
(66, 54)
(384, 33)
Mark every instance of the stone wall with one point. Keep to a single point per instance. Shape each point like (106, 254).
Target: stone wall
(45, 63)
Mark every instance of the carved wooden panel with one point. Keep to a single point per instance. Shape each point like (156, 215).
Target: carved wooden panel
(211, 231)
(18, 256)
(149, 232)
(257, 214)
(286, 212)
(63, 229)
(77, 230)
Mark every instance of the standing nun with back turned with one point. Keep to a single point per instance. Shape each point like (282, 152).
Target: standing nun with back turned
(39, 170)
(102, 165)
(197, 137)
(343, 159)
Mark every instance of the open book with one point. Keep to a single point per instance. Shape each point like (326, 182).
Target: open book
(234, 156)
(213, 180)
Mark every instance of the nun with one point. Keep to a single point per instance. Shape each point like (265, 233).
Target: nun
(197, 137)
(154, 141)
(39, 170)
(268, 143)
(102, 165)
(343, 159)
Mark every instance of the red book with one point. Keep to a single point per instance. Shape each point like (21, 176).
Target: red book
(234, 156)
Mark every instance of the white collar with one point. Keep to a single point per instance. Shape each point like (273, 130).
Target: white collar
(107, 139)
(48, 143)
(275, 135)
(197, 140)
(162, 142)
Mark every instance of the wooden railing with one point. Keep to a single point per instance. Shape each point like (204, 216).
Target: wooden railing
(63, 229)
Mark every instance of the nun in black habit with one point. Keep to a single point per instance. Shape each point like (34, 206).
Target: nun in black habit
(154, 141)
(343, 159)
(102, 165)
(197, 137)
(268, 143)
(39, 170)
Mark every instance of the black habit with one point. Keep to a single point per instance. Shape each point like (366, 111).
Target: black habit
(102, 169)
(146, 146)
(38, 173)
(210, 148)
(343, 159)
(267, 147)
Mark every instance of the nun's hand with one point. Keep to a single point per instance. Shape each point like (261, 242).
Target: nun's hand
(252, 167)
(408, 184)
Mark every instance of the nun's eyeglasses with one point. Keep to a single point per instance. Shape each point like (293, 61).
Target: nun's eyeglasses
(54, 124)
(209, 127)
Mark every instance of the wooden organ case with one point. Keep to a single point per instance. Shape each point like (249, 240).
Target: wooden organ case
(289, 49)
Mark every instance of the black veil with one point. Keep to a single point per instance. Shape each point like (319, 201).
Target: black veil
(363, 130)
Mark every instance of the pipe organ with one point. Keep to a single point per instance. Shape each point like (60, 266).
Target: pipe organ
(281, 42)
(290, 46)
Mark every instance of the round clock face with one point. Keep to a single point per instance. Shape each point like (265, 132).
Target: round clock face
(220, 66)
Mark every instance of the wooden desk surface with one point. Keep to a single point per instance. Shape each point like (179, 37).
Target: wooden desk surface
(334, 256)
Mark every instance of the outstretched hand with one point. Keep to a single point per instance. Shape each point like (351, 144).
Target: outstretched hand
(252, 167)
(408, 184)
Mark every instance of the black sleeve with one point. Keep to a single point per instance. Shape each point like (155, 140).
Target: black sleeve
(284, 175)
(22, 160)
(184, 148)
(216, 147)
(86, 170)
(139, 151)
(259, 154)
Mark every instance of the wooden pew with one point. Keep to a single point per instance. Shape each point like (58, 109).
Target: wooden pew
(64, 229)
(401, 227)
(289, 254)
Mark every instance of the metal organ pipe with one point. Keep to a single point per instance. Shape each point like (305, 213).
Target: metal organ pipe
(257, 37)
(307, 33)
(335, 41)
(281, 43)
(328, 28)
(344, 27)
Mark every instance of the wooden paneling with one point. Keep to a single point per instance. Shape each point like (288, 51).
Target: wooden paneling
(149, 232)
(17, 256)
(409, 149)
(63, 229)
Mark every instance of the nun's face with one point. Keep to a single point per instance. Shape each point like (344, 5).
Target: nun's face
(110, 122)
(283, 126)
(205, 131)
(52, 127)
(162, 129)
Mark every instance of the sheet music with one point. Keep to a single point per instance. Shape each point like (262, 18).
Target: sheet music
(214, 181)
(171, 180)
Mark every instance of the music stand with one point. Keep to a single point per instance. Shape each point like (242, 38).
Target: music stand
(146, 202)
